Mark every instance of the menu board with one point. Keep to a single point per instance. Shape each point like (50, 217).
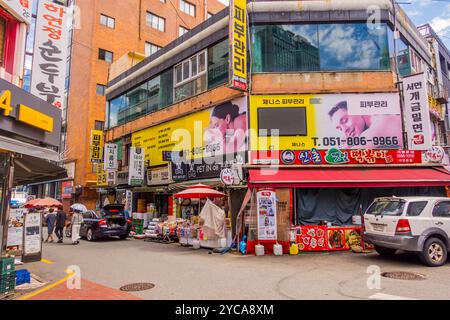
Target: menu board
(32, 239)
(15, 227)
(312, 238)
(267, 214)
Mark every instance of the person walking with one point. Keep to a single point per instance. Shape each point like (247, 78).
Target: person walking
(60, 223)
(77, 220)
(50, 218)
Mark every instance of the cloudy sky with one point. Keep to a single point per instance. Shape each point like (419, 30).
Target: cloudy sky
(434, 12)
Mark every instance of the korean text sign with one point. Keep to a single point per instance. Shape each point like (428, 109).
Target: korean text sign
(96, 146)
(111, 156)
(417, 112)
(267, 214)
(50, 53)
(137, 166)
(238, 37)
(328, 121)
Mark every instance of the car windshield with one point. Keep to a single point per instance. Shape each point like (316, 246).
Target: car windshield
(387, 207)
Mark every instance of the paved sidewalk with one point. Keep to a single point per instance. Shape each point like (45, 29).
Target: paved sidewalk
(89, 291)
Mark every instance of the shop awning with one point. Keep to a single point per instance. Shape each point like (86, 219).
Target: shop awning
(350, 177)
(28, 169)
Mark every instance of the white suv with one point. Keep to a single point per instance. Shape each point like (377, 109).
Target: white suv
(416, 224)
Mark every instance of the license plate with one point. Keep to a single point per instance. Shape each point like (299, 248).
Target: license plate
(378, 227)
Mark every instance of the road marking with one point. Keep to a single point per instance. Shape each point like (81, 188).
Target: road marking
(50, 286)
(383, 296)
(47, 261)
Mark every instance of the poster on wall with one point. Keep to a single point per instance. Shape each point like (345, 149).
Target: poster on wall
(267, 214)
(32, 234)
(340, 121)
(208, 134)
(137, 166)
(48, 79)
(417, 112)
(67, 189)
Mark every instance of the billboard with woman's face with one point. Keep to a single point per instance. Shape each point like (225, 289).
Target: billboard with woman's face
(340, 121)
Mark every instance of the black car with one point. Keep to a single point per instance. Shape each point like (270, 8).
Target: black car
(111, 222)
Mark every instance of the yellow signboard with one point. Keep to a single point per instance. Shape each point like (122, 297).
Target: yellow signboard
(101, 175)
(96, 145)
(238, 38)
(211, 132)
(35, 118)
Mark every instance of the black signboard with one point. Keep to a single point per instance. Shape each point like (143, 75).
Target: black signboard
(205, 168)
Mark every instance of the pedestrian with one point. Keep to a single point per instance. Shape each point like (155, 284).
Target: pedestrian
(60, 223)
(50, 218)
(77, 220)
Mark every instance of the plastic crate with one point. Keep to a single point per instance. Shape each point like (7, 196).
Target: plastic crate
(6, 264)
(22, 276)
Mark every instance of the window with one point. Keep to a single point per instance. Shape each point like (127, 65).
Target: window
(218, 64)
(151, 48)
(187, 8)
(190, 77)
(105, 55)
(442, 209)
(99, 125)
(416, 208)
(156, 22)
(285, 121)
(100, 90)
(387, 207)
(319, 47)
(107, 21)
(182, 30)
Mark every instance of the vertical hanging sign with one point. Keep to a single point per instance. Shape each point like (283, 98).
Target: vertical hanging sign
(238, 44)
(111, 156)
(96, 146)
(137, 166)
(417, 112)
(48, 78)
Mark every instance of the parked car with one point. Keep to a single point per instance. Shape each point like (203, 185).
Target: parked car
(415, 224)
(110, 222)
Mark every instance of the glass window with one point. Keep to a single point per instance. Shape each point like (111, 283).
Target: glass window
(98, 125)
(442, 209)
(151, 48)
(105, 55)
(387, 207)
(187, 8)
(320, 47)
(416, 208)
(156, 22)
(182, 30)
(218, 64)
(100, 89)
(107, 21)
(191, 80)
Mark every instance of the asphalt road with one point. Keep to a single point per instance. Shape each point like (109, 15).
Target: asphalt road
(184, 273)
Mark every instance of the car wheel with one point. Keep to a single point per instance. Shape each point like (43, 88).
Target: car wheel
(90, 235)
(385, 251)
(434, 253)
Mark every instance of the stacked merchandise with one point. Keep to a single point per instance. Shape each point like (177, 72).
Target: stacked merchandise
(7, 276)
(138, 223)
(151, 231)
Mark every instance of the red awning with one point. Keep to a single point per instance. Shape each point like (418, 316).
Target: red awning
(350, 177)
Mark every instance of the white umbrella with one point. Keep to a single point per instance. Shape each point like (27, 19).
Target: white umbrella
(78, 207)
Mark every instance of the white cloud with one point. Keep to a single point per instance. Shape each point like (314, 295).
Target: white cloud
(225, 2)
(441, 25)
(416, 13)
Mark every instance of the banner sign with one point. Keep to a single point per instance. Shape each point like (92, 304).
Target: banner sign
(335, 156)
(48, 79)
(159, 176)
(208, 168)
(137, 166)
(238, 39)
(21, 9)
(204, 134)
(96, 146)
(15, 227)
(101, 175)
(328, 121)
(267, 214)
(111, 162)
(32, 236)
(417, 112)
(66, 189)
(111, 178)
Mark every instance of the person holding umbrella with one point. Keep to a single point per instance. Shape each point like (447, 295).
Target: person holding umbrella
(77, 220)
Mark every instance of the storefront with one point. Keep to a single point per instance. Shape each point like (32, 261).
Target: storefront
(30, 131)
